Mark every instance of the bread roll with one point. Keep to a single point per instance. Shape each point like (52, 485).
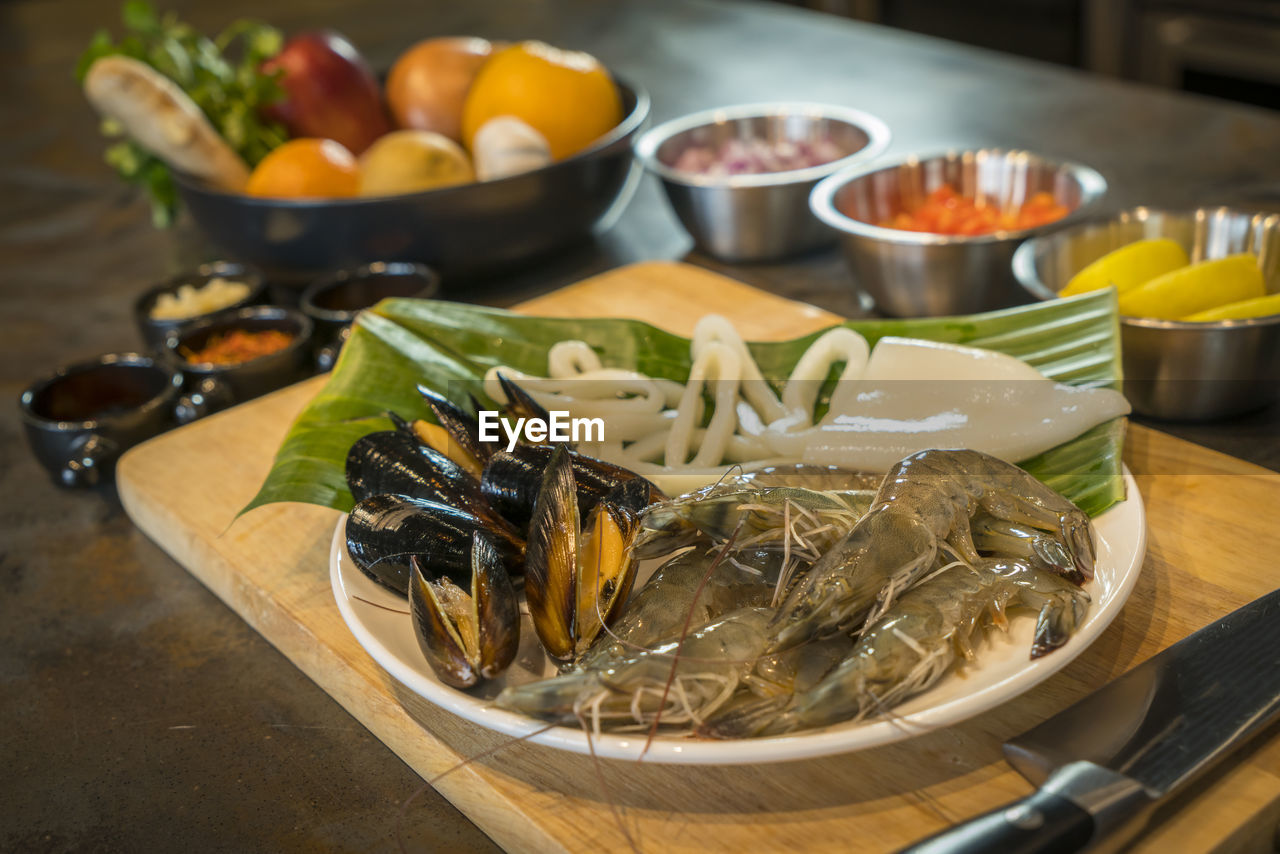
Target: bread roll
(164, 120)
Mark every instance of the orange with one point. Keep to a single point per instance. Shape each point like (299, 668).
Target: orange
(306, 168)
(566, 96)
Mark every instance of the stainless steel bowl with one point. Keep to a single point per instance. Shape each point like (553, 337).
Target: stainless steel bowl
(1172, 369)
(756, 217)
(909, 273)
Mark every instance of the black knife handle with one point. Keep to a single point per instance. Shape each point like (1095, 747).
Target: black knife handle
(1042, 823)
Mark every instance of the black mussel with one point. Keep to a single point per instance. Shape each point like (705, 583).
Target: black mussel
(511, 480)
(392, 462)
(383, 531)
(397, 463)
(467, 634)
(519, 402)
(437, 438)
(578, 576)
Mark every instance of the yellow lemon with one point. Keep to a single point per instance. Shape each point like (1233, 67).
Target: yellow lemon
(1129, 266)
(1257, 307)
(1196, 288)
(408, 161)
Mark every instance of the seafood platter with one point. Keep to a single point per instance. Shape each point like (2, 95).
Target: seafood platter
(671, 607)
(736, 565)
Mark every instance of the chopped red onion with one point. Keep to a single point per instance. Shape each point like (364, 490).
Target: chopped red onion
(756, 156)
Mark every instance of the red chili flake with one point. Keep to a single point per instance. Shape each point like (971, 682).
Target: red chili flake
(238, 345)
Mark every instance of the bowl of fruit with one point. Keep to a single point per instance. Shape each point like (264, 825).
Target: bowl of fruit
(1199, 299)
(293, 156)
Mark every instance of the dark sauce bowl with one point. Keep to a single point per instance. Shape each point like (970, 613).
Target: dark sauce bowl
(225, 385)
(465, 230)
(333, 301)
(155, 331)
(80, 418)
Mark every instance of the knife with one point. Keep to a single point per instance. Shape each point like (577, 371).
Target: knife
(1104, 763)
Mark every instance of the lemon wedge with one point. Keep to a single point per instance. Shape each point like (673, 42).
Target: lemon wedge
(1196, 288)
(1257, 307)
(1129, 266)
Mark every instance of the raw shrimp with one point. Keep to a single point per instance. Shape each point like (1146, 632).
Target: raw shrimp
(915, 642)
(926, 499)
(639, 688)
(798, 669)
(692, 587)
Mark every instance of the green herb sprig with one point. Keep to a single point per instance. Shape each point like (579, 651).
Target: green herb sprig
(221, 75)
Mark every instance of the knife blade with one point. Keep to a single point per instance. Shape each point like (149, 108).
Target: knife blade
(1104, 763)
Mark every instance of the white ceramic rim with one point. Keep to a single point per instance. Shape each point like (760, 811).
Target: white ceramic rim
(647, 144)
(1122, 534)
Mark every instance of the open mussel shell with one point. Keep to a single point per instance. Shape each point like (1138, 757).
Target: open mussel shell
(438, 439)
(578, 576)
(467, 634)
(384, 531)
(462, 430)
(551, 557)
(512, 480)
(606, 564)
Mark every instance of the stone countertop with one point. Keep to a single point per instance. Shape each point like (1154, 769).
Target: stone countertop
(138, 711)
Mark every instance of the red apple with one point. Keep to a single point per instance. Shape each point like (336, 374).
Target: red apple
(329, 91)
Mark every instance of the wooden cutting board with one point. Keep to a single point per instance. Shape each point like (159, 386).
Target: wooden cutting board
(1213, 542)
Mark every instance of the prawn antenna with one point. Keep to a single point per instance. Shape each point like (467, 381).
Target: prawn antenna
(430, 784)
(725, 475)
(604, 785)
(376, 605)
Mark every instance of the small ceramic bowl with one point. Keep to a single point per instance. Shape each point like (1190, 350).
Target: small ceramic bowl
(222, 385)
(80, 418)
(333, 301)
(154, 330)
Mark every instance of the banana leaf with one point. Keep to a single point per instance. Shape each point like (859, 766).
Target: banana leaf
(449, 346)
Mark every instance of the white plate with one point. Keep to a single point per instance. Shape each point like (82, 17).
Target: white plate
(1003, 669)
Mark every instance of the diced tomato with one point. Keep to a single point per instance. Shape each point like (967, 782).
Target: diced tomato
(945, 211)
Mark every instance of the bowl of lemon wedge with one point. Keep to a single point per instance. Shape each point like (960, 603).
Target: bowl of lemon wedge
(1199, 298)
